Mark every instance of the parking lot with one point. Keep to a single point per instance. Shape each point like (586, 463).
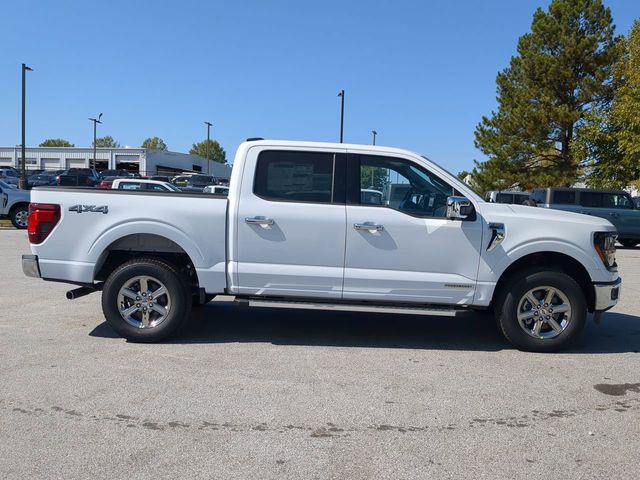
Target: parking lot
(299, 394)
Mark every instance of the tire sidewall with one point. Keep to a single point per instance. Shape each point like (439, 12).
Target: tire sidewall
(173, 281)
(13, 214)
(508, 320)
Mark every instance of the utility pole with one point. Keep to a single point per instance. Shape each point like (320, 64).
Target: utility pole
(373, 134)
(206, 148)
(23, 176)
(95, 123)
(341, 94)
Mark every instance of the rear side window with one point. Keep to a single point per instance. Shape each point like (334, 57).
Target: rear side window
(539, 195)
(564, 197)
(591, 199)
(128, 186)
(295, 176)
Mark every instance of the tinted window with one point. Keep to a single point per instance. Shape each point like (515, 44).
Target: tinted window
(564, 197)
(504, 198)
(294, 176)
(539, 195)
(404, 185)
(520, 198)
(591, 199)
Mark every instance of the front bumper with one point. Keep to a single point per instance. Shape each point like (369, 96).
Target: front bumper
(30, 266)
(607, 294)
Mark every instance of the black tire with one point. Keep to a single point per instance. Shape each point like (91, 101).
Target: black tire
(18, 216)
(628, 243)
(178, 291)
(507, 304)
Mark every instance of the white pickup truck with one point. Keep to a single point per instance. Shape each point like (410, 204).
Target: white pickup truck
(298, 230)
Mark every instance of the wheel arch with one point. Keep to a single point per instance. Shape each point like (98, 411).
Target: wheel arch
(554, 261)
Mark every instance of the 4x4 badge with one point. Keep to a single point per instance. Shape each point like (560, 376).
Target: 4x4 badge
(89, 208)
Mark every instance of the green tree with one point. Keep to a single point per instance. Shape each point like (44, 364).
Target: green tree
(212, 151)
(562, 72)
(106, 142)
(154, 142)
(56, 142)
(610, 139)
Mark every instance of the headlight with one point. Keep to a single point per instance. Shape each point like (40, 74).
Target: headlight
(605, 245)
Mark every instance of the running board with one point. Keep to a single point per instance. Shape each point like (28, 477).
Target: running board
(345, 307)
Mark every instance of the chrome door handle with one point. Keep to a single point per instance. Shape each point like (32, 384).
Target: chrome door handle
(370, 226)
(259, 220)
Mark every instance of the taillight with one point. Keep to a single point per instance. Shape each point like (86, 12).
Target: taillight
(42, 218)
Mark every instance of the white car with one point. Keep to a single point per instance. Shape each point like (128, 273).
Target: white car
(296, 232)
(143, 184)
(14, 203)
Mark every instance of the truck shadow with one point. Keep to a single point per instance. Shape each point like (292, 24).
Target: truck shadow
(229, 323)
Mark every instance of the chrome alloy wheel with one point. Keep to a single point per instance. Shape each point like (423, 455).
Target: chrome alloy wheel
(21, 218)
(144, 302)
(544, 312)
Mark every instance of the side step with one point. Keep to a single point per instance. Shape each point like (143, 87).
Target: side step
(345, 307)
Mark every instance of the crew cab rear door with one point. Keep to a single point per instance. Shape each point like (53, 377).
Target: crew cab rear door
(291, 223)
(401, 247)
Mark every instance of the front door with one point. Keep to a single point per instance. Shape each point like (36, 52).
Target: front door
(400, 246)
(291, 223)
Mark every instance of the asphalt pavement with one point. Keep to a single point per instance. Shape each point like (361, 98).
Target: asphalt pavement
(316, 395)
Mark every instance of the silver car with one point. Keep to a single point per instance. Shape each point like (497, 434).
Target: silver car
(14, 203)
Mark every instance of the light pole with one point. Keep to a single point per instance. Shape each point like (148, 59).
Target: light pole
(95, 121)
(373, 134)
(206, 148)
(341, 94)
(23, 176)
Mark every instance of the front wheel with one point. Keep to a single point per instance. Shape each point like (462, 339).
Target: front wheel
(19, 215)
(541, 311)
(146, 300)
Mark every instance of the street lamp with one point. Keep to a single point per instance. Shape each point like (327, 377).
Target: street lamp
(206, 148)
(373, 134)
(95, 121)
(341, 95)
(23, 176)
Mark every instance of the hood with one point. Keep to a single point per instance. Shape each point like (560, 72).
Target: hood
(543, 214)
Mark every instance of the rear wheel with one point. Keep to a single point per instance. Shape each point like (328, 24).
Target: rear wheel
(628, 243)
(146, 300)
(19, 215)
(541, 311)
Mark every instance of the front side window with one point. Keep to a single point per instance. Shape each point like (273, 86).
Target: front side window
(403, 186)
(295, 176)
(616, 200)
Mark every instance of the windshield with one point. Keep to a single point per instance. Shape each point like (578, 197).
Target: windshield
(454, 176)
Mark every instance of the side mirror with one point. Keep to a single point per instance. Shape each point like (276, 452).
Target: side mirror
(459, 208)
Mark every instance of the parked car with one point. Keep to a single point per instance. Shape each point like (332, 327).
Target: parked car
(636, 201)
(197, 183)
(507, 196)
(79, 177)
(9, 175)
(40, 180)
(616, 206)
(116, 173)
(142, 184)
(181, 180)
(295, 233)
(14, 203)
(216, 190)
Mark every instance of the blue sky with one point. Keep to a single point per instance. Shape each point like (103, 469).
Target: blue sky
(421, 73)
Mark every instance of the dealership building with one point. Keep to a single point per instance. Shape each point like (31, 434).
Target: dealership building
(145, 161)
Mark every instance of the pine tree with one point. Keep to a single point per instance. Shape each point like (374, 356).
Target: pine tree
(562, 72)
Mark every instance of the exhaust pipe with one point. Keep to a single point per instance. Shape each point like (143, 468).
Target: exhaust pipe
(82, 291)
